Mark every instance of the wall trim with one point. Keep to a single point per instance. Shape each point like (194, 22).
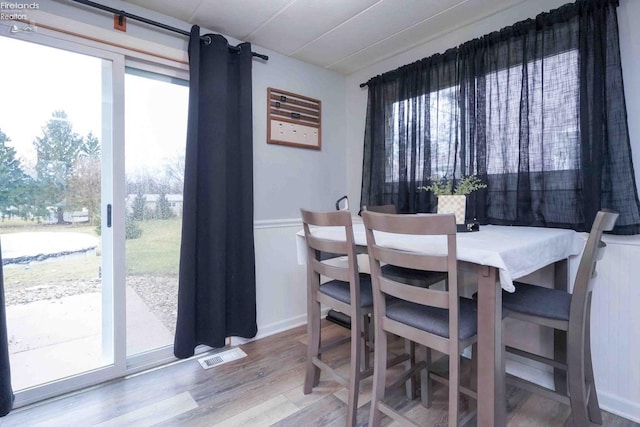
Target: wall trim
(294, 222)
(622, 240)
(619, 406)
(277, 223)
(276, 328)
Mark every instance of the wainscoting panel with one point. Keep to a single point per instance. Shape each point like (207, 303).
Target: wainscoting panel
(616, 327)
(280, 280)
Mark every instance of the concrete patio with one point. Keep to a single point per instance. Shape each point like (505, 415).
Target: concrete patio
(53, 339)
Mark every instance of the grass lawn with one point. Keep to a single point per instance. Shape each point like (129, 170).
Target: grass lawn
(52, 272)
(157, 251)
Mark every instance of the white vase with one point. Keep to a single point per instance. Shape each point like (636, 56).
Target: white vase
(453, 204)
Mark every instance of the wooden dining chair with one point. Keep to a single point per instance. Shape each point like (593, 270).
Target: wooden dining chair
(437, 319)
(424, 279)
(347, 291)
(569, 312)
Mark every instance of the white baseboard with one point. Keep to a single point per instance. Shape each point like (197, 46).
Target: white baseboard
(619, 406)
(615, 404)
(276, 327)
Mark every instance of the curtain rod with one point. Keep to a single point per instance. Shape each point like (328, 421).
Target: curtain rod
(155, 23)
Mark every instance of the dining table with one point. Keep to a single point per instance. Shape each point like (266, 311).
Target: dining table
(500, 255)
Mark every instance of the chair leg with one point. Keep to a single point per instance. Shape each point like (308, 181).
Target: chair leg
(365, 342)
(411, 386)
(312, 377)
(560, 354)
(576, 383)
(595, 415)
(473, 381)
(354, 369)
(379, 376)
(454, 392)
(426, 392)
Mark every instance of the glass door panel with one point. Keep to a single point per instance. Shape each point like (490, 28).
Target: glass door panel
(51, 139)
(155, 133)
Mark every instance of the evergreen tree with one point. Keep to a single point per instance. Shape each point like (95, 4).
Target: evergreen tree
(14, 183)
(57, 151)
(163, 207)
(131, 228)
(139, 207)
(91, 146)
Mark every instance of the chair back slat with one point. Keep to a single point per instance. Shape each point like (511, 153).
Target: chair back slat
(321, 219)
(410, 260)
(329, 246)
(331, 271)
(388, 209)
(421, 224)
(423, 296)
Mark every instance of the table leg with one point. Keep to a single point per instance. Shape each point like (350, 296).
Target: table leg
(491, 373)
(560, 282)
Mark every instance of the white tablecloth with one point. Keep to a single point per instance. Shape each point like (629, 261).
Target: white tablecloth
(515, 251)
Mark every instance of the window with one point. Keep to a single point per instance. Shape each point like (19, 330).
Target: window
(536, 110)
(432, 136)
(552, 117)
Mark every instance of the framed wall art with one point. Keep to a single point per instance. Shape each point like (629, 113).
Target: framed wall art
(293, 120)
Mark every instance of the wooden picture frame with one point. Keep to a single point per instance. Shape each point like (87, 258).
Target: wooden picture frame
(293, 120)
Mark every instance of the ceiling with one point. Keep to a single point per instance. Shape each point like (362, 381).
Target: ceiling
(340, 35)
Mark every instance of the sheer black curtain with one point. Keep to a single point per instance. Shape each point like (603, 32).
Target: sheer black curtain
(6, 393)
(217, 296)
(536, 110)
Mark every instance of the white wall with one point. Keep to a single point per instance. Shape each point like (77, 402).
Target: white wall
(616, 334)
(287, 178)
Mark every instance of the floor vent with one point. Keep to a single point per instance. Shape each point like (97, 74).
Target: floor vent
(218, 359)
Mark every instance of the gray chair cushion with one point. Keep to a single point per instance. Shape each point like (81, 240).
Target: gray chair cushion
(435, 320)
(341, 290)
(538, 301)
(413, 277)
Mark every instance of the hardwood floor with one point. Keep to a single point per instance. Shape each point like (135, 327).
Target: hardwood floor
(262, 389)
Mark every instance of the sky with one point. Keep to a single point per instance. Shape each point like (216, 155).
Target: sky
(36, 80)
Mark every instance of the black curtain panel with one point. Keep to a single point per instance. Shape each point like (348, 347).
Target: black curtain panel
(217, 289)
(6, 393)
(536, 110)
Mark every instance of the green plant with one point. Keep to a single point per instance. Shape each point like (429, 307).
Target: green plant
(163, 207)
(131, 228)
(464, 186)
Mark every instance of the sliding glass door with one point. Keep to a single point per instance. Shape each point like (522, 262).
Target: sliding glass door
(156, 108)
(90, 212)
(55, 128)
